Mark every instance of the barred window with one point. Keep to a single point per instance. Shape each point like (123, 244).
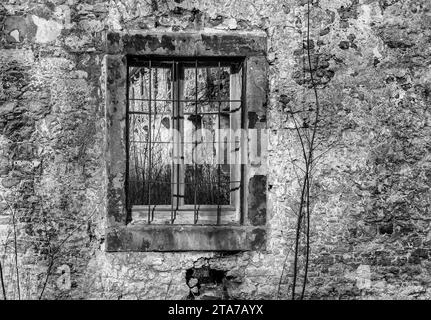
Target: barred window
(183, 125)
(186, 162)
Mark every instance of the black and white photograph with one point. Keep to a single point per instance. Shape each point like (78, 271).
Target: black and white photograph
(215, 154)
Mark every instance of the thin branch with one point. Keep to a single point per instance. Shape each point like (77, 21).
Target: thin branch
(317, 158)
(307, 253)
(169, 288)
(305, 193)
(16, 255)
(57, 250)
(48, 273)
(310, 155)
(298, 229)
(2, 282)
(282, 273)
(295, 166)
(15, 245)
(300, 139)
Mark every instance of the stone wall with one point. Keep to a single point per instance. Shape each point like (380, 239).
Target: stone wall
(370, 224)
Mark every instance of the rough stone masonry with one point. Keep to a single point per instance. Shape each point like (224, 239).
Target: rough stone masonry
(370, 224)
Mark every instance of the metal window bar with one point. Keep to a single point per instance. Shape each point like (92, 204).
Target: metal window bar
(175, 183)
(126, 185)
(176, 67)
(218, 146)
(173, 212)
(243, 119)
(149, 142)
(188, 113)
(185, 100)
(175, 111)
(196, 213)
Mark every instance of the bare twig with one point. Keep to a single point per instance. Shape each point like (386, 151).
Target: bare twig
(307, 253)
(48, 273)
(308, 153)
(298, 233)
(57, 250)
(311, 149)
(282, 273)
(16, 255)
(15, 245)
(2, 282)
(169, 288)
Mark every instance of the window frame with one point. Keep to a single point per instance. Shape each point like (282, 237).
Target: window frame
(224, 214)
(122, 234)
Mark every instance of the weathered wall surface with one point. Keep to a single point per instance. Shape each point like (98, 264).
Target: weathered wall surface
(370, 232)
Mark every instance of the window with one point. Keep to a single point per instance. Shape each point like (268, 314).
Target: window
(185, 115)
(184, 129)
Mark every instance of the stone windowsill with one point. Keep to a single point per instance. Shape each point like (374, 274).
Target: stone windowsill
(147, 237)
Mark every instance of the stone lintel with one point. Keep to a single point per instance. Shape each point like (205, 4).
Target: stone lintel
(187, 44)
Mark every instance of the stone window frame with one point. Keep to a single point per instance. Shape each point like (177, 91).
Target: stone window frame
(124, 235)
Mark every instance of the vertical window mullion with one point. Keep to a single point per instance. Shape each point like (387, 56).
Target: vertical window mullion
(195, 144)
(149, 141)
(180, 128)
(127, 187)
(173, 184)
(176, 126)
(219, 145)
(243, 140)
(236, 147)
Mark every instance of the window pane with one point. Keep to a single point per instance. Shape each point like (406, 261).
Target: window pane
(150, 159)
(205, 182)
(201, 111)
(149, 186)
(212, 84)
(140, 124)
(206, 107)
(160, 190)
(157, 107)
(161, 84)
(156, 89)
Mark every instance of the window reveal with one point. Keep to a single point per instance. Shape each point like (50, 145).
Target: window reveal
(183, 149)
